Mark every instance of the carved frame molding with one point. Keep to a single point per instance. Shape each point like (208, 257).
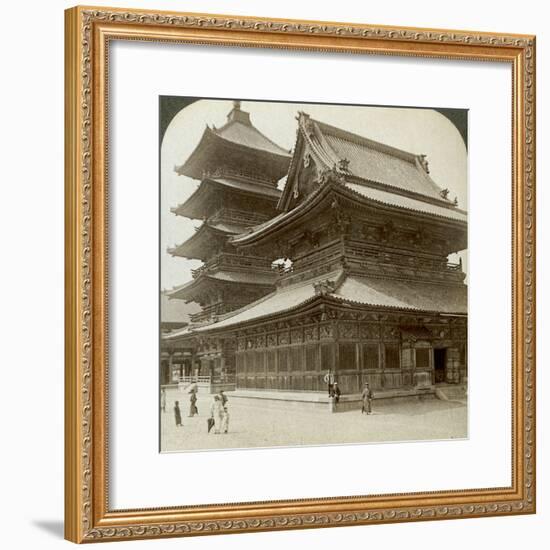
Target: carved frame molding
(88, 32)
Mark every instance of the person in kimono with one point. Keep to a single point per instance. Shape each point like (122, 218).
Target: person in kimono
(223, 397)
(193, 410)
(225, 420)
(336, 393)
(366, 397)
(329, 381)
(163, 400)
(216, 413)
(177, 413)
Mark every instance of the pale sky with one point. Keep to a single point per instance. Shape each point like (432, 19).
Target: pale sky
(418, 131)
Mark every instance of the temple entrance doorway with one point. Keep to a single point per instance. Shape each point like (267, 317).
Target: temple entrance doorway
(440, 356)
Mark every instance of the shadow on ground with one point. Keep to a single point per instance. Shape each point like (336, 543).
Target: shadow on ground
(52, 527)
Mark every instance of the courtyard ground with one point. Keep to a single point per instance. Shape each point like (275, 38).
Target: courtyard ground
(253, 424)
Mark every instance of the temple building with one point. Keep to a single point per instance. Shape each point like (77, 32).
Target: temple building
(175, 315)
(367, 291)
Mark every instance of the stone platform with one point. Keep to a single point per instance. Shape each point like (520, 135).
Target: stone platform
(321, 401)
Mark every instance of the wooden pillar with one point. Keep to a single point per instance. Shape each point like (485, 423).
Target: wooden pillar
(452, 366)
(170, 366)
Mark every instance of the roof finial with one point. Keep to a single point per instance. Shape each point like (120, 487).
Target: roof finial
(238, 115)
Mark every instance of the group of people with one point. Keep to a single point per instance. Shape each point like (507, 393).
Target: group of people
(335, 392)
(219, 412)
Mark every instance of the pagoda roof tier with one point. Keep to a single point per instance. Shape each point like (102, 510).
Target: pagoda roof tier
(360, 159)
(352, 290)
(335, 186)
(239, 139)
(207, 279)
(207, 240)
(204, 201)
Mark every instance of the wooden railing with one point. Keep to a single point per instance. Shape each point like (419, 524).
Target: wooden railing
(239, 217)
(217, 379)
(194, 379)
(233, 262)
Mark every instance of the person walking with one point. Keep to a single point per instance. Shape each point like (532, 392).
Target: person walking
(336, 393)
(163, 400)
(225, 420)
(366, 396)
(223, 398)
(216, 413)
(329, 381)
(193, 410)
(177, 413)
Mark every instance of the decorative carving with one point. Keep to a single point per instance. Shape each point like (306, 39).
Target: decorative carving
(424, 163)
(310, 334)
(442, 333)
(331, 175)
(343, 165)
(386, 231)
(347, 330)
(459, 333)
(369, 332)
(312, 239)
(326, 331)
(322, 288)
(390, 332)
(284, 338)
(260, 341)
(294, 521)
(420, 237)
(340, 220)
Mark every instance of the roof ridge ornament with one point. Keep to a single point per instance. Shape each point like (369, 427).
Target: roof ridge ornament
(422, 159)
(343, 165)
(331, 175)
(323, 288)
(238, 115)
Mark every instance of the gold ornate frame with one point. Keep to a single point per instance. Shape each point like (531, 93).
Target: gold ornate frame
(88, 32)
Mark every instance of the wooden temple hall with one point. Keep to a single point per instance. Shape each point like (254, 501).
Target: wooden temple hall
(343, 268)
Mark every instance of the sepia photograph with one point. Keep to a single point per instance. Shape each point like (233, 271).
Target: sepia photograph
(313, 274)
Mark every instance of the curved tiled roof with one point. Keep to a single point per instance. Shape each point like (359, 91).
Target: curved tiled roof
(237, 277)
(361, 192)
(244, 133)
(408, 203)
(405, 295)
(199, 204)
(283, 299)
(195, 246)
(376, 162)
(375, 292)
(237, 135)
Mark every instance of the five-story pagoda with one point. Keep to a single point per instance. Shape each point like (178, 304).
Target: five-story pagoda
(238, 168)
